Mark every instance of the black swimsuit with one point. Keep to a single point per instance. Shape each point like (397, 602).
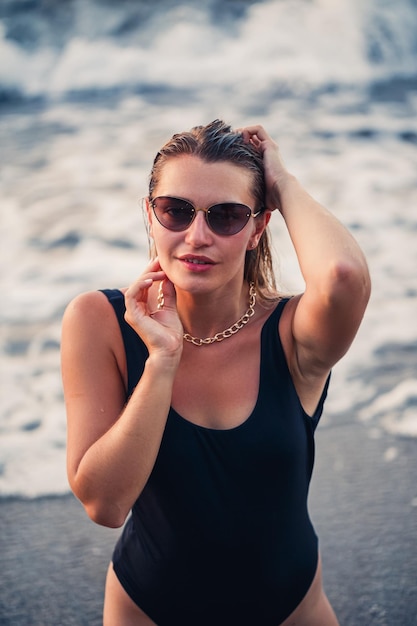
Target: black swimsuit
(221, 535)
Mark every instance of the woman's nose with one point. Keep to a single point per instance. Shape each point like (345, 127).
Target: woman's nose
(199, 233)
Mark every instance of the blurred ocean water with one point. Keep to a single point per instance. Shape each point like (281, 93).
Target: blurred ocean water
(90, 89)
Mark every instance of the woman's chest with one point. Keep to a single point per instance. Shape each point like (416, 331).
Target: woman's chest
(217, 386)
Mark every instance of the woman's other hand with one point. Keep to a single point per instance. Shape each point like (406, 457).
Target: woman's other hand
(159, 328)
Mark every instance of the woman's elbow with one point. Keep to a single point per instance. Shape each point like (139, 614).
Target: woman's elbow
(100, 510)
(108, 515)
(351, 279)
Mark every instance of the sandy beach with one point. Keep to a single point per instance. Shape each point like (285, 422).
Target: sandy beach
(363, 501)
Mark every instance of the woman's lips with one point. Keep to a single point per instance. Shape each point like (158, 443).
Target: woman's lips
(196, 263)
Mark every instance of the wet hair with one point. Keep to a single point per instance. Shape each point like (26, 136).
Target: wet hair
(217, 142)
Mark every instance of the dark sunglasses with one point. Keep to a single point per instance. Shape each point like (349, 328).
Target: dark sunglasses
(226, 218)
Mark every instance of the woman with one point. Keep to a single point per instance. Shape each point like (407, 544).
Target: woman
(192, 396)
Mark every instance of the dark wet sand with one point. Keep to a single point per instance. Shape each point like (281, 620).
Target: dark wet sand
(53, 558)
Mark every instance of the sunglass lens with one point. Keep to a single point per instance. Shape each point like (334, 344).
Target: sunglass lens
(228, 218)
(173, 213)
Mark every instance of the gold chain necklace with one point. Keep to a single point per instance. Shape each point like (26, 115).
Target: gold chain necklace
(232, 330)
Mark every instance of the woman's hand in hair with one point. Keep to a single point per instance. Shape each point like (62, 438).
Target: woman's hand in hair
(276, 173)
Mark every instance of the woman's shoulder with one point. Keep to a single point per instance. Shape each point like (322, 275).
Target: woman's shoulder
(88, 301)
(91, 310)
(91, 332)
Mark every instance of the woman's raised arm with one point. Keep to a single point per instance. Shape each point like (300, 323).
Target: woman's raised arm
(327, 316)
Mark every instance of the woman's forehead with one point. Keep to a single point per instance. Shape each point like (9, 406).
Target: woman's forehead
(190, 177)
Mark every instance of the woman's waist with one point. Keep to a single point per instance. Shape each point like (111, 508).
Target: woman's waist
(242, 548)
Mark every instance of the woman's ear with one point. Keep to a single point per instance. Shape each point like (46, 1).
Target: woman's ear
(267, 217)
(261, 223)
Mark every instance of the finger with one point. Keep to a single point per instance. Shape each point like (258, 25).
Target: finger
(153, 265)
(138, 290)
(257, 130)
(153, 270)
(148, 278)
(246, 135)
